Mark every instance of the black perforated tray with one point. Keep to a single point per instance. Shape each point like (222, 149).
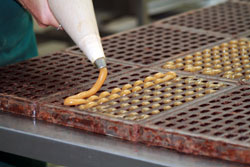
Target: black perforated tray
(230, 18)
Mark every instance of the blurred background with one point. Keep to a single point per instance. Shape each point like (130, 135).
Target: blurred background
(114, 16)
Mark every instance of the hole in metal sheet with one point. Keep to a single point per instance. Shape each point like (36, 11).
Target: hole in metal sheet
(243, 138)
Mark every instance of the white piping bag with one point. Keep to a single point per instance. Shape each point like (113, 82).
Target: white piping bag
(77, 18)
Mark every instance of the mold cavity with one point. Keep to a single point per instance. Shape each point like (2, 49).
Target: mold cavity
(181, 127)
(227, 108)
(193, 129)
(218, 133)
(205, 131)
(230, 136)
(159, 123)
(169, 125)
(243, 138)
(204, 105)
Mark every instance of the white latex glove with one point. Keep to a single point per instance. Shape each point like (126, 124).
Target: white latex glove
(41, 12)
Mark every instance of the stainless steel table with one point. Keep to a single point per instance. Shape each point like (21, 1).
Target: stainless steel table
(71, 147)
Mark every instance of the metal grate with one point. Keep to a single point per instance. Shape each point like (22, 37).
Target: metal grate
(228, 18)
(149, 45)
(109, 84)
(151, 99)
(228, 60)
(43, 76)
(222, 119)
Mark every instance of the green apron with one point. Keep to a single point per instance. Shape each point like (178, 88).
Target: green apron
(17, 39)
(17, 43)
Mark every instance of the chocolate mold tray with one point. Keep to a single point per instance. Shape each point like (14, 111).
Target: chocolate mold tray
(229, 18)
(150, 44)
(24, 83)
(228, 60)
(218, 127)
(43, 76)
(151, 100)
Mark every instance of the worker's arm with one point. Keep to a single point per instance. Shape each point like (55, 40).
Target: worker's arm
(41, 12)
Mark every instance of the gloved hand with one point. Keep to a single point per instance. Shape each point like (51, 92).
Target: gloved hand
(41, 12)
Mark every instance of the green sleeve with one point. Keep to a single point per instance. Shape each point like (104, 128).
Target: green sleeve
(17, 38)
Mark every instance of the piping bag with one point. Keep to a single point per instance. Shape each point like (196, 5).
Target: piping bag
(77, 18)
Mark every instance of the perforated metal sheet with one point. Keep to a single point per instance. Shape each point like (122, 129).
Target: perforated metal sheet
(150, 101)
(43, 76)
(114, 121)
(228, 60)
(25, 83)
(217, 127)
(227, 18)
(149, 44)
